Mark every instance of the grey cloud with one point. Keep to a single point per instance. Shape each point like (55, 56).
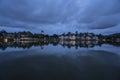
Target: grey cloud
(105, 22)
(44, 12)
(100, 14)
(9, 23)
(80, 14)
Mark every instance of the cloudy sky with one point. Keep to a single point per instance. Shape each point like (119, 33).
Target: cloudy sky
(58, 16)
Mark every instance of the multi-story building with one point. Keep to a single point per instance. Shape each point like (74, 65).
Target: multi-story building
(81, 36)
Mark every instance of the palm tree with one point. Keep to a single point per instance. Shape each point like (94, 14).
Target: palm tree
(55, 36)
(86, 34)
(76, 35)
(47, 37)
(80, 36)
(3, 32)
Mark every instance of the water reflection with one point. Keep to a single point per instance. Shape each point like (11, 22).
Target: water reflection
(59, 60)
(98, 65)
(68, 44)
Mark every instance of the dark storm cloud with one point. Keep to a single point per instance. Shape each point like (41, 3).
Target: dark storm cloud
(60, 14)
(103, 14)
(105, 22)
(41, 12)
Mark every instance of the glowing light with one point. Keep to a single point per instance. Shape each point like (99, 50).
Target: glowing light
(5, 40)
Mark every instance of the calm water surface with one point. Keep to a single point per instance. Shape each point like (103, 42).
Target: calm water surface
(59, 63)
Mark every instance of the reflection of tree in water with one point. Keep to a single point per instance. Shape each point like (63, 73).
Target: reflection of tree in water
(68, 44)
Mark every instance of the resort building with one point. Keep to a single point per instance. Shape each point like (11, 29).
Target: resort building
(81, 36)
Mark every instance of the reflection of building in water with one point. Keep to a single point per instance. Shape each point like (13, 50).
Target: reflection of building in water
(42, 46)
(86, 44)
(64, 43)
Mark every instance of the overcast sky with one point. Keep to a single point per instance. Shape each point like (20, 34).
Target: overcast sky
(58, 16)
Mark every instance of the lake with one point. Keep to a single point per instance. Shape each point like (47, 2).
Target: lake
(59, 62)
